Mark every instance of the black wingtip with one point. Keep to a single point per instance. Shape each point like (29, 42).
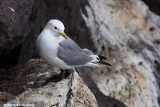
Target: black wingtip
(102, 58)
(105, 63)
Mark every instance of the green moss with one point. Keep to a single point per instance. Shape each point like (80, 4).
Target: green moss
(76, 101)
(125, 71)
(128, 86)
(113, 92)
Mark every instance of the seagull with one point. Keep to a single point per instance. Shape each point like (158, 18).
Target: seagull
(60, 51)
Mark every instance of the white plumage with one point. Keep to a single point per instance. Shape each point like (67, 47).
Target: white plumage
(60, 51)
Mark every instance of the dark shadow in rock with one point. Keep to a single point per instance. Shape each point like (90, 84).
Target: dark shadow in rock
(102, 100)
(11, 59)
(58, 77)
(153, 5)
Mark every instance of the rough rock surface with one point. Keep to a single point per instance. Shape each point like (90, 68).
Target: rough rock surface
(132, 31)
(14, 16)
(14, 27)
(38, 84)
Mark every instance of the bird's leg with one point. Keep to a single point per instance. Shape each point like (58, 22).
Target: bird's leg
(71, 71)
(65, 73)
(62, 73)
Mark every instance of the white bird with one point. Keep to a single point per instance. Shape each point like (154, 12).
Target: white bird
(60, 51)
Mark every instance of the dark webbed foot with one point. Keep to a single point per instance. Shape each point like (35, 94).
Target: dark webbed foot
(65, 73)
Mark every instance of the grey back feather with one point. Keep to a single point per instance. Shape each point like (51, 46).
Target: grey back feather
(72, 54)
(87, 51)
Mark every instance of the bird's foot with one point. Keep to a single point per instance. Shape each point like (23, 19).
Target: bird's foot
(65, 73)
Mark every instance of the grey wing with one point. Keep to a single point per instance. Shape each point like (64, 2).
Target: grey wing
(72, 54)
(87, 51)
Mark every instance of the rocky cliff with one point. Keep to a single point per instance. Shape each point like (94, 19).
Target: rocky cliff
(39, 85)
(125, 31)
(131, 33)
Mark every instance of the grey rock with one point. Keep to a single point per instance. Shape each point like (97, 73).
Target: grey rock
(4, 96)
(14, 26)
(37, 84)
(127, 32)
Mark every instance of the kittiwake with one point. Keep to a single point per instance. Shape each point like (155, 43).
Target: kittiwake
(62, 52)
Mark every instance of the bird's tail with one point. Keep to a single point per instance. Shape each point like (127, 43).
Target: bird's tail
(100, 60)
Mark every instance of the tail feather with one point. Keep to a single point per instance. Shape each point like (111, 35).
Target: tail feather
(102, 58)
(101, 62)
(105, 63)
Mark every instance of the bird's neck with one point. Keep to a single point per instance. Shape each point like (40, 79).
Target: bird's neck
(48, 35)
(55, 34)
(49, 29)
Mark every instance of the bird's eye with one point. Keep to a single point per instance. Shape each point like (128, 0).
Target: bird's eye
(55, 27)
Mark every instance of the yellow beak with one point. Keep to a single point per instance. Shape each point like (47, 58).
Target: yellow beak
(64, 35)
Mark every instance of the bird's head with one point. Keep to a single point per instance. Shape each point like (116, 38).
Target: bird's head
(57, 27)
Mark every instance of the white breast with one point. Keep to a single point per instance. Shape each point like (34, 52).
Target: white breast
(47, 47)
